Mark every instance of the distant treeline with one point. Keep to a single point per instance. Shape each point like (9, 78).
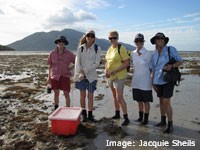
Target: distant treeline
(5, 48)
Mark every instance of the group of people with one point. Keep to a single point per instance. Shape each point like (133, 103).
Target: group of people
(148, 73)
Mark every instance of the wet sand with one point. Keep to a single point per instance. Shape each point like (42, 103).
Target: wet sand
(25, 107)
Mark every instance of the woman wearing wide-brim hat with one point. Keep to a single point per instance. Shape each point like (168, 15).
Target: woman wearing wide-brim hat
(59, 61)
(164, 89)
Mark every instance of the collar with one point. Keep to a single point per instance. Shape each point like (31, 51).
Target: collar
(90, 46)
(64, 51)
(142, 50)
(164, 50)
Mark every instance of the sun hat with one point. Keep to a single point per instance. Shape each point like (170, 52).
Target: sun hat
(139, 36)
(90, 32)
(62, 39)
(159, 35)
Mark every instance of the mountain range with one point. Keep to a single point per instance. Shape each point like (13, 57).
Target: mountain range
(44, 41)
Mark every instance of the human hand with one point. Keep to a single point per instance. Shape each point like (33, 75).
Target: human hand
(81, 76)
(168, 67)
(155, 88)
(107, 75)
(113, 73)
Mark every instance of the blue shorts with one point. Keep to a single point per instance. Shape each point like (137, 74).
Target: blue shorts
(85, 84)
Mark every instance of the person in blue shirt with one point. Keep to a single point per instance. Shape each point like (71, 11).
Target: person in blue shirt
(163, 89)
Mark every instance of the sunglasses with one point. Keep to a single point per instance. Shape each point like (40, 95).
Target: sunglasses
(61, 41)
(112, 38)
(90, 35)
(139, 41)
(159, 38)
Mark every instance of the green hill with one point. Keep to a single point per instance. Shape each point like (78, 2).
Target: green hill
(5, 48)
(44, 41)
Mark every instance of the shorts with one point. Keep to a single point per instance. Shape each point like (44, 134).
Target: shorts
(116, 83)
(165, 90)
(142, 95)
(62, 84)
(85, 84)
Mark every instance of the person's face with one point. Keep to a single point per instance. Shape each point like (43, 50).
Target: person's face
(61, 44)
(90, 38)
(113, 38)
(139, 43)
(160, 41)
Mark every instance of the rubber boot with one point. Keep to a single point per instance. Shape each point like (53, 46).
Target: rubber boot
(84, 116)
(163, 122)
(55, 106)
(126, 120)
(140, 119)
(90, 117)
(170, 127)
(146, 119)
(117, 115)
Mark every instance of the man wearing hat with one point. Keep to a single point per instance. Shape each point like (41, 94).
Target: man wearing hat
(59, 61)
(164, 89)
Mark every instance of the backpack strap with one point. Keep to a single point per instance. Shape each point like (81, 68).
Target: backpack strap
(119, 46)
(82, 49)
(169, 52)
(95, 48)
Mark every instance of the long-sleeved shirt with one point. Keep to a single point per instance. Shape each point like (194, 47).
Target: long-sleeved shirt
(88, 60)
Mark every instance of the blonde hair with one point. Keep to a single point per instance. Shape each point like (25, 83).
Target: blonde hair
(115, 33)
(83, 40)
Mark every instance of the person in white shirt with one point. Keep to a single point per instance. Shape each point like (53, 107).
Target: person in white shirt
(141, 78)
(85, 75)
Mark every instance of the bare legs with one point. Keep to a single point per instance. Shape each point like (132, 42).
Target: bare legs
(90, 105)
(90, 100)
(119, 102)
(56, 98)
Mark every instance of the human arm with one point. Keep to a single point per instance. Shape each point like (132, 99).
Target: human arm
(49, 70)
(123, 66)
(179, 61)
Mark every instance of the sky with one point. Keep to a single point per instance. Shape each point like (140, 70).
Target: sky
(177, 19)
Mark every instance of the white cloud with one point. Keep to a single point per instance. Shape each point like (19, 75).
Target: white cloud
(68, 17)
(83, 15)
(121, 6)
(1, 12)
(192, 15)
(20, 18)
(182, 37)
(96, 4)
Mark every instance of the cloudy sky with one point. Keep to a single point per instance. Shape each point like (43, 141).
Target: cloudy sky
(178, 19)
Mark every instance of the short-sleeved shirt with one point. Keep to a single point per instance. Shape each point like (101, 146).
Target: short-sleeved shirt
(141, 78)
(158, 63)
(59, 63)
(115, 60)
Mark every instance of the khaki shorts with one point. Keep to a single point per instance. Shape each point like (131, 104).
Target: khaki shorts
(116, 83)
